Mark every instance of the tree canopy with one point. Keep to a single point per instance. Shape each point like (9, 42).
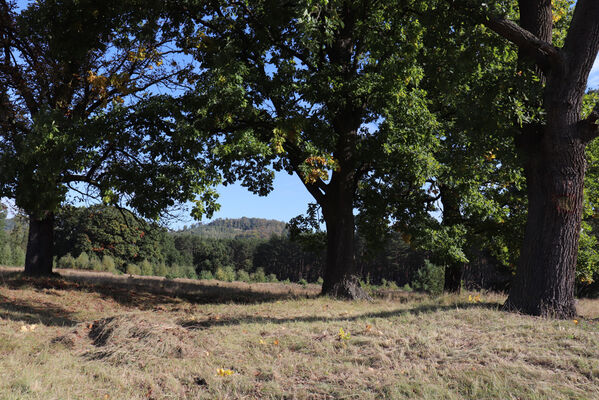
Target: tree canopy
(327, 90)
(77, 113)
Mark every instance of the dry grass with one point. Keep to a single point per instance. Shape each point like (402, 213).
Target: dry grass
(99, 342)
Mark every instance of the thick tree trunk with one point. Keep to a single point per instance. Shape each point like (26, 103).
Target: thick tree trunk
(40, 246)
(555, 167)
(555, 159)
(340, 278)
(453, 278)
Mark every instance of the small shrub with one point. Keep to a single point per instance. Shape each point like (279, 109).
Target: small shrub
(303, 282)
(389, 284)
(174, 271)
(170, 275)
(133, 269)
(82, 262)
(225, 273)
(160, 269)
(258, 275)
(146, 268)
(206, 275)
(406, 287)
(189, 272)
(95, 264)
(67, 262)
(272, 278)
(243, 276)
(181, 271)
(366, 284)
(108, 264)
(320, 281)
(430, 278)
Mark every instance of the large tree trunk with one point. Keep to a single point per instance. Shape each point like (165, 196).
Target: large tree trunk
(555, 167)
(340, 278)
(40, 246)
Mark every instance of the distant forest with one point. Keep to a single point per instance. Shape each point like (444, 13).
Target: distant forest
(237, 228)
(102, 238)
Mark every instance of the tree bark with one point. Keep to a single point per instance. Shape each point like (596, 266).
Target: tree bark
(340, 279)
(554, 168)
(554, 156)
(40, 246)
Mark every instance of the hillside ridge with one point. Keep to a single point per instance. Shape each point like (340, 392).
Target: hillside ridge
(231, 228)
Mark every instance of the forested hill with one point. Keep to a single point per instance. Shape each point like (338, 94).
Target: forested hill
(237, 228)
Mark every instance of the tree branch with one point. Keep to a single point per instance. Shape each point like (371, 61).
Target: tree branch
(582, 43)
(545, 55)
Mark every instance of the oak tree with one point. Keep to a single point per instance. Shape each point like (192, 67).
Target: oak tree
(326, 90)
(553, 147)
(76, 115)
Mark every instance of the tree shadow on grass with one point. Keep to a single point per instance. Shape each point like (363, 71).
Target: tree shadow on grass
(208, 323)
(42, 313)
(150, 292)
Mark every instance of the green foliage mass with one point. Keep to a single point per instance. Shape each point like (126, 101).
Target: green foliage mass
(13, 239)
(105, 231)
(76, 113)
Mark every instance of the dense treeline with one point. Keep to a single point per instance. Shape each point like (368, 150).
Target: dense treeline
(104, 238)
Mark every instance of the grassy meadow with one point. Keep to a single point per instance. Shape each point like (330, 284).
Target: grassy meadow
(93, 336)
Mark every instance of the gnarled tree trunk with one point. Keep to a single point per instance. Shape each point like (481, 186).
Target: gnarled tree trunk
(40, 246)
(555, 160)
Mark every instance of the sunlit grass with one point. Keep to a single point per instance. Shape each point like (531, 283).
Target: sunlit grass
(95, 344)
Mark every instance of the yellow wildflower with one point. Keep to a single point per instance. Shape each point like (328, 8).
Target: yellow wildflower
(224, 372)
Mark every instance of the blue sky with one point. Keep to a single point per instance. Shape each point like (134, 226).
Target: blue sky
(288, 199)
(594, 77)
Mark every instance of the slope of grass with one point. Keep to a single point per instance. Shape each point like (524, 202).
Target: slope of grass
(61, 339)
